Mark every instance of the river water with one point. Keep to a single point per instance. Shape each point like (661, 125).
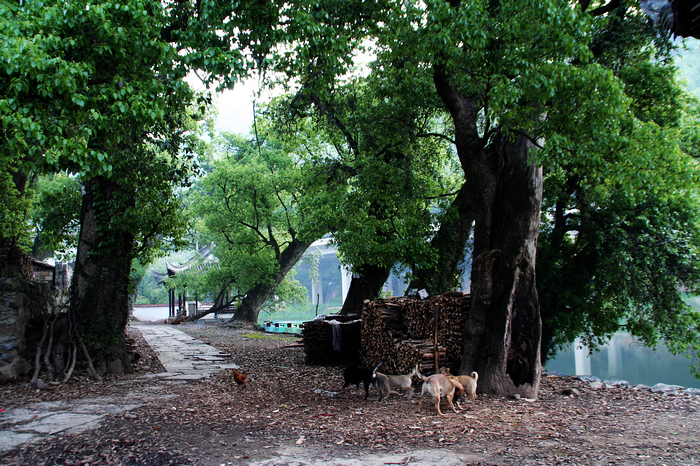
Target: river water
(151, 313)
(160, 313)
(623, 358)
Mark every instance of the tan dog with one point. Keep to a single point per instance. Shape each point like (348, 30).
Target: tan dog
(403, 382)
(440, 386)
(468, 382)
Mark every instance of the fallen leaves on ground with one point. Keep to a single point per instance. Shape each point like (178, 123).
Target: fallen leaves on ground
(287, 404)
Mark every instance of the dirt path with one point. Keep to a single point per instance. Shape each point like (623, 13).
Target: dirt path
(293, 414)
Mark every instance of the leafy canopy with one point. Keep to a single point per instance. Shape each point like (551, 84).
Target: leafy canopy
(92, 89)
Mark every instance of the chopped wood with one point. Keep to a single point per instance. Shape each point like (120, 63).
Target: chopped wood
(399, 331)
(318, 340)
(403, 331)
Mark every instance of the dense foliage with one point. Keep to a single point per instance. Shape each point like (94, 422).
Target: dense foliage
(620, 238)
(84, 93)
(252, 207)
(386, 177)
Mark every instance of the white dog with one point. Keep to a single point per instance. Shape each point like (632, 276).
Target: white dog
(393, 382)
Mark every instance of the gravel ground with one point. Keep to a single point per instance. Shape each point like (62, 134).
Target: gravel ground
(294, 414)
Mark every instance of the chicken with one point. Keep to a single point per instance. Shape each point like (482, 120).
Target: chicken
(239, 378)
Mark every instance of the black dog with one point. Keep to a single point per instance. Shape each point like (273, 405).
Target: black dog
(355, 375)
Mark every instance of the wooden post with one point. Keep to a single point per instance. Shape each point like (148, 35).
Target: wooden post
(435, 339)
(171, 303)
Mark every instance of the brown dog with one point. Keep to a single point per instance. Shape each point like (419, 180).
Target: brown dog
(440, 386)
(468, 382)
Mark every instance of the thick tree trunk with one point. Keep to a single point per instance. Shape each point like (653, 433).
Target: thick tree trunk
(450, 246)
(366, 285)
(252, 302)
(503, 331)
(100, 288)
(255, 297)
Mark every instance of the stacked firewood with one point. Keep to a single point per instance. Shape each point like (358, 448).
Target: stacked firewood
(332, 339)
(403, 331)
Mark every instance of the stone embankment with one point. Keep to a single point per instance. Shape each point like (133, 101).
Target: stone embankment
(20, 302)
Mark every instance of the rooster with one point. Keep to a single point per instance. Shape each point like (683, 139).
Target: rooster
(239, 378)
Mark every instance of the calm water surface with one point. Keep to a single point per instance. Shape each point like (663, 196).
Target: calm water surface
(626, 359)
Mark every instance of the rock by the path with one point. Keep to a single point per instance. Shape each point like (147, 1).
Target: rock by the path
(662, 387)
(616, 384)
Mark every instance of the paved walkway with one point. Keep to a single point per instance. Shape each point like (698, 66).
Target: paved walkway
(184, 358)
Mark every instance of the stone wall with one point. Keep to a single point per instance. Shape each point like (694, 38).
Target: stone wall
(63, 274)
(20, 301)
(43, 273)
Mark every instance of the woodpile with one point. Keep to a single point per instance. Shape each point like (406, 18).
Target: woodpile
(399, 331)
(403, 331)
(333, 339)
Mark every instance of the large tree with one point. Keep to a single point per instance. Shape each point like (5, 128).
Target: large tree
(251, 204)
(528, 86)
(92, 89)
(497, 67)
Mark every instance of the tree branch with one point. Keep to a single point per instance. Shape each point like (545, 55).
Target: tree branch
(438, 135)
(601, 10)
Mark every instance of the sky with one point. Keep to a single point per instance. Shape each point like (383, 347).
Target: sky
(235, 108)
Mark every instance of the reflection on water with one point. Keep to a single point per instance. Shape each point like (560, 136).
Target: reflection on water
(626, 359)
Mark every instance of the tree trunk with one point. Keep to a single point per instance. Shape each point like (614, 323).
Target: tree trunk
(255, 297)
(503, 331)
(450, 246)
(100, 288)
(366, 285)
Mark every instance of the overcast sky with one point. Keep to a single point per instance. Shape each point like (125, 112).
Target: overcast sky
(235, 108)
